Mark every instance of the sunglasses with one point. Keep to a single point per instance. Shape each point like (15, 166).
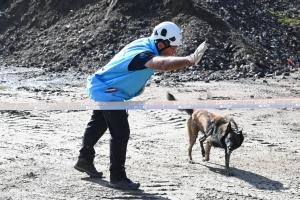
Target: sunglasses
(173, 48)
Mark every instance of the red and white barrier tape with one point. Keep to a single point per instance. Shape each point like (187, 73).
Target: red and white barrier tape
(152, 105)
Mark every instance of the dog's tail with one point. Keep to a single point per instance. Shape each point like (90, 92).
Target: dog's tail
(170, 97)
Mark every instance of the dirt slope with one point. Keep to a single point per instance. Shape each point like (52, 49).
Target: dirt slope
(82, 36)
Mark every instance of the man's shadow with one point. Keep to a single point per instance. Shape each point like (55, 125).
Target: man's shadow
(258, 181)
(134, 194)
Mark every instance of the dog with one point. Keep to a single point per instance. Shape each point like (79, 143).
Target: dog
(219, 131)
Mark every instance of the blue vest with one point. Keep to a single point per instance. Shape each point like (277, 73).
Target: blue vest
(115, 74)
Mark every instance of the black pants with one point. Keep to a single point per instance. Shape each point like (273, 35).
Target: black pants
(117, 122)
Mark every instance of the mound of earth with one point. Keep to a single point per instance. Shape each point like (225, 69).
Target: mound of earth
(245, 38)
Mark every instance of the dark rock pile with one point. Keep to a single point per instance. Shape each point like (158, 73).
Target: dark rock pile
(246, 38)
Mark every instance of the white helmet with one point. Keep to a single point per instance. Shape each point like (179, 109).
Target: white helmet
(167, 31)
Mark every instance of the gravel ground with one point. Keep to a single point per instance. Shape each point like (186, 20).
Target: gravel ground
(40, 148)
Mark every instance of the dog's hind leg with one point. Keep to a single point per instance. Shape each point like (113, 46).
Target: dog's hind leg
(192, 134)
(201, 140)
(192, 140)
(227, 158)
(207, 150)
(207, 134)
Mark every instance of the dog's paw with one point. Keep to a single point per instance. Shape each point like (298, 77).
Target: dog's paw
(230, 174)
(191, 162)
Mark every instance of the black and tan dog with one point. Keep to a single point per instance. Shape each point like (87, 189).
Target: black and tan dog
(219, 131)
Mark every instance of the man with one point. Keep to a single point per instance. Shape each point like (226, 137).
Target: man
(123, 78)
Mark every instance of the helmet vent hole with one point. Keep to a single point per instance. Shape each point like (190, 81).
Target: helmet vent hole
(163, 32)
(172, 39)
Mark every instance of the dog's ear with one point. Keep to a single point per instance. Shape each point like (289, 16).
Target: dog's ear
(240, 140)
(241, 137)
(228, 129)
(223, 137)
(241, 134)
(240, 131)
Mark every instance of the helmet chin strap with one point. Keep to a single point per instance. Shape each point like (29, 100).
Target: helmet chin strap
(160, 50)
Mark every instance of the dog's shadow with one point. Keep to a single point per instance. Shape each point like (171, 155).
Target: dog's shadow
(134, 194)
(258, 181)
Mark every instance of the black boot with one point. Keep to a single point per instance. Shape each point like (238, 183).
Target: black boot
(87, 166)
(125, 184)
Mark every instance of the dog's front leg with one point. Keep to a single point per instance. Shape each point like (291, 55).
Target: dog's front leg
(227, 157)
(207, 150)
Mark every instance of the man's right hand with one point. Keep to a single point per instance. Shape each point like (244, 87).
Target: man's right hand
(197, 55)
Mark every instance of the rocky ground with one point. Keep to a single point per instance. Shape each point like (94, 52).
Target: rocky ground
(48, 48)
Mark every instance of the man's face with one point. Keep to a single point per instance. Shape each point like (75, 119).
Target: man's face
(169, 51)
